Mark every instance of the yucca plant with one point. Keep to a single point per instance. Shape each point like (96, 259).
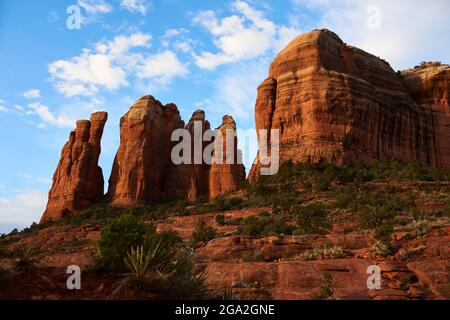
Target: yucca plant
(228, 293)
(138, 262)
(26, 264)
(144, 266)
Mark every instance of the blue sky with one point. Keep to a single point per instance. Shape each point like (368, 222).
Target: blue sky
(198, 54)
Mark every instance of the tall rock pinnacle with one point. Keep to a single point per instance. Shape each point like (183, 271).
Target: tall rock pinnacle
(78, 180)
(144, 153)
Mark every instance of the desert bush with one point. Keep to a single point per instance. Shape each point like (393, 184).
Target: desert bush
(4, 274)
(203, 232)
(378, 209)
(26, 262)
(346, 198)
(324, 252)
(327, 287)
(322, 174)
(117, 237)
(166, 270)
(220, 219)
(142, 264)
(312, 218)
(265, 224)
(382, 248)
(383, 233)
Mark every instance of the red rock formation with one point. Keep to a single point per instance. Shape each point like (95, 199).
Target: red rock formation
(144, 152)
(335, 102)
(143, 170)
(190, 181)
(429, 86)
(78, 180)
(225, 176)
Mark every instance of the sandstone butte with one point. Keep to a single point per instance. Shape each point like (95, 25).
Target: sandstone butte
(330, 101)
(142, 171)
(78, 180)
(335, 102)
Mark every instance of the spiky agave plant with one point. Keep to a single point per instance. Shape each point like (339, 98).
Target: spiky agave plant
(143, 266)
(138, 264)
(26, 263)
(228, 293)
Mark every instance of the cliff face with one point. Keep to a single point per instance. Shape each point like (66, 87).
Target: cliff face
(225, 176)
(335, 102)
(144, 152)
(143, 170)
(190, 181)
(429, 86)
(78, 180)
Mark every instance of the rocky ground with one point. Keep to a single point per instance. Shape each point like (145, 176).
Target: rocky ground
(268, 267)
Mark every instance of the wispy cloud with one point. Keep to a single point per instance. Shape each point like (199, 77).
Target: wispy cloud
(245, 35)
(95, 6)
(31, 94)
(111, 65)
(140, 6)
(163, 67)
(105, 66)
(46, 116)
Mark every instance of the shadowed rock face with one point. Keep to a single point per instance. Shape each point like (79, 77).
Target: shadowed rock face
(190, 181)
(335, 102)
(144, 152)
(224, 176)
(429, 86)
(78, 180)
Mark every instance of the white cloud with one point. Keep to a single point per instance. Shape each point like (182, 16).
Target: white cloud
(31, 94)
(3, 109)
(244, 35)
(410, 31)
(95, 6)
(105, 66)
(44, 113)
(135, 6)
(22, 210)
(111, 65)
(161, 67)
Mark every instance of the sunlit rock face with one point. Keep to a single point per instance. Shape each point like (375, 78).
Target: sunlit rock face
(335, 102)
(78, 180)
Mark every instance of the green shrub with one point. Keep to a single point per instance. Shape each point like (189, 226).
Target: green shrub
(382, 248)
(346, 199)
(141, 263)
(26, 263)
(312, 218)
(379, 209)
(220, 219)
(117, 237)
(3, 274)
(324, 252)
(265, 224)
(168, 271)
(383, 233)
(327, 287)
(203, 232)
